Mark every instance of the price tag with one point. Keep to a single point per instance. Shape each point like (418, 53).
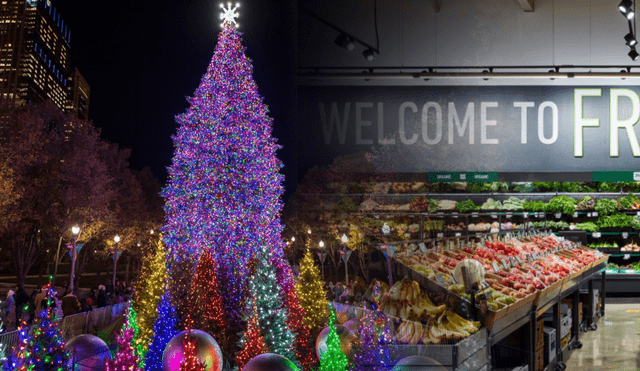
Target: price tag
(558, 215)
(495, 266)
(525, 215)
(512, 261)
(509, 215)
(458, 234)
(519, 260)
(455, 279)
(594, 214)
(556, 249)
(575, 215)
(529, 257)
(596, 235)
(440, 280)
(455, 215)
(440, 235)
(627, 256)
(494, 215)
(423, 247)
(440, 214)
(539, 215)
(505, 264)
(625, 235)
(637, 212)
(589, 215)
(474, 215)
(535, 256)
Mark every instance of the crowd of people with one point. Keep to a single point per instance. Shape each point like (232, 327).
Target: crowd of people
(20, 302)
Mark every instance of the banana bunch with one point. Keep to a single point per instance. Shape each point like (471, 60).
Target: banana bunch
(457, 325)
(423, 309)
(409, 332)
(389, 306)
(405, 289)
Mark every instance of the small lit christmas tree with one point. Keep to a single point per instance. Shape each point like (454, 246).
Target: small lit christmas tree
(208, 312)
(149, 294)
(333, 359)
(191, 361)
(305, 352)
(164, 329)
(252, 342)
(272, 315)
(40, 347)
(130, 354)
(371, 355)
(313, 298)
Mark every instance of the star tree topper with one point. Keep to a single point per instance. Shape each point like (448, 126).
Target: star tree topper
(229, 14)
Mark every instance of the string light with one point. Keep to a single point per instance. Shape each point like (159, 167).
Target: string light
(333, 359)
(164, 329)
(149, 295)
(310, 289)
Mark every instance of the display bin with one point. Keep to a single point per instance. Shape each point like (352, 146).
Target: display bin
(504, 357)
(468, 354)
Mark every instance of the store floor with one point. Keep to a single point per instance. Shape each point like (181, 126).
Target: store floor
(615, 345)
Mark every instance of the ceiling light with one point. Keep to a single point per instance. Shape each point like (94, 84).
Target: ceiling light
(630, 40)
(625, 6)
(369, 55)
(345, 41)
(633, 54)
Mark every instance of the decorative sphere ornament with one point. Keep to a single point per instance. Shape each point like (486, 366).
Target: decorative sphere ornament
(207, 349)
(353, 325)
(418, 363)
(87, 352)
(270, 362)
(347, 341)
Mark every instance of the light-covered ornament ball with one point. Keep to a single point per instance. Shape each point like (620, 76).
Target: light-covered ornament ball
(353, 325)
(206, 348)
(87, 353)
(347, 341)
(270, 362)
(418, 363)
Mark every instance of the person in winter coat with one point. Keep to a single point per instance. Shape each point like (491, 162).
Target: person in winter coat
(22, 299)
(70, 304)
(6, 309)
(102, 297)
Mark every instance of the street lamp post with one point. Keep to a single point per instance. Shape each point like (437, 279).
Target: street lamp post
(321, 244)
(74, 254)
(345, 256)
(115, 260)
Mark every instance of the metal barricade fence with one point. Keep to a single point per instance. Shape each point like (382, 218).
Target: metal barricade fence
(76, 324)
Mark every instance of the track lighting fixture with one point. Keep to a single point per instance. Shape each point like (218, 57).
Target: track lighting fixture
(345, 41)
(369, 55)
(630, 40)
(625, 8)
(633, 54)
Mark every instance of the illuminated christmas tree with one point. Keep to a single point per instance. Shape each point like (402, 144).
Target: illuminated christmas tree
(191, 360)
(313, 298)
(264, 291)
(149, 294)
(371, 355)
(208, 312)
(304, 345)
(224, 187)
(333, 359)
(41, 346)
(252, 342)
(164, 329)
(130, 355)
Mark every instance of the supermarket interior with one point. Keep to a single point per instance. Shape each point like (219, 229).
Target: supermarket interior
(476, 175)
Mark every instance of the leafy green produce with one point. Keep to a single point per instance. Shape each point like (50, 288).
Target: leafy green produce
(615, 221)
(478, 187)
(609, 187)
(588, 226)
(586, 203)
(635, 266)
(600, 245)
(612, 266)
(499, 187)
(635, 223)
(543, 186)
(466, 206)
(535, 206)
(513, 203)
(606, 207)
(523, 187)
(624, 203)
(491, 204)
(562, 204)
(551, 224)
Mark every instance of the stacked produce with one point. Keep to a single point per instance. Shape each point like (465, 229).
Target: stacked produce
(632, 247)
(587, 226)
(586, 203)
(491, 204)
(514, 203)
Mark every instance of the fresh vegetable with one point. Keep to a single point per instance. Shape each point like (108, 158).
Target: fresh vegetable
(609, 187)
(635, 223)
(551, 224)
(606, 207)
(535, 206)
(513, 203)
(523, 187)
(586, 203)
(615, 221)
(562, 204)
(491, 204)
(636, 266)
(466, 206)
(478, 187)
(424, 204)
(612, 266)
(588, 226)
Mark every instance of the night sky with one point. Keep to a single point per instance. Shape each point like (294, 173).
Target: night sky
(144, 57)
